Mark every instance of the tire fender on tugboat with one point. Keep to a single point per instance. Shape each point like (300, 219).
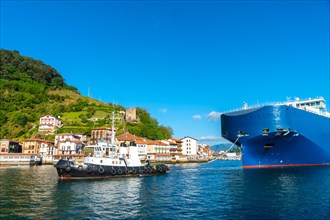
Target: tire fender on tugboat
(101, 170)
(68, 168)
(120, 171)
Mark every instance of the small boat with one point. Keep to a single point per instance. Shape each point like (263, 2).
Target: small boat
(108, 160)
(36, 160)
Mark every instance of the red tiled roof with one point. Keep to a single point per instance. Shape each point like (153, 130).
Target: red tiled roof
(140, 141)
(176, 140)
(149, 142)
(39, 140)
(126, 137)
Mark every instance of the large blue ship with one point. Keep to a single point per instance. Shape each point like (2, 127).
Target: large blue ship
(293, 133)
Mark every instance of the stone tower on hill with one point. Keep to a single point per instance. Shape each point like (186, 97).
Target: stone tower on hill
(130, 114)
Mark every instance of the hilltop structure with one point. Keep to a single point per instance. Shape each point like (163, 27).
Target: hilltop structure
(131, 115)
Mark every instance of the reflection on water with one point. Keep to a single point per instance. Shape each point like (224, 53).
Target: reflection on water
(217, 190)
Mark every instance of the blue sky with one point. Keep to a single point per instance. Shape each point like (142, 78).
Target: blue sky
(184, 61)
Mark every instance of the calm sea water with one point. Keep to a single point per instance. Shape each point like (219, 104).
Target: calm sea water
(216, 190)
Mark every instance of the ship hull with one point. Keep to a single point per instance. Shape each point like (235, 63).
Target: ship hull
(273, 136)
(69, 170)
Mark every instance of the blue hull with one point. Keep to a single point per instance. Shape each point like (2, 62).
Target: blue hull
(272, 136)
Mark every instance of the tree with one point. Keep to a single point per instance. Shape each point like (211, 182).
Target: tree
(57, 82)
(3, 118)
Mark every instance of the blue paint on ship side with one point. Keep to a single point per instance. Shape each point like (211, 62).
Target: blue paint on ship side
(278, 135)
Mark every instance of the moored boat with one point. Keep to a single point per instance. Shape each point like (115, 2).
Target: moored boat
(294, 133)
(108, 160)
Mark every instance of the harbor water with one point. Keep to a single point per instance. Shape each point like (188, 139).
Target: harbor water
(215, 190)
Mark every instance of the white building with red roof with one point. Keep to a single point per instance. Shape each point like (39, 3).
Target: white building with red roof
(49, 124)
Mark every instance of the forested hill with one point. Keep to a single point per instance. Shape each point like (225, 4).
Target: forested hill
(30, 89)
(20, 68)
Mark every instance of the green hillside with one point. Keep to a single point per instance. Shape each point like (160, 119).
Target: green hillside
(30, 89)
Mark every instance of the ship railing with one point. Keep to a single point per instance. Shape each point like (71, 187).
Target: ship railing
(252, 106)
(310, 109)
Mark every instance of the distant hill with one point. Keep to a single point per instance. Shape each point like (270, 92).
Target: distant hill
(30, 89)
(223, 147)
(220, 147)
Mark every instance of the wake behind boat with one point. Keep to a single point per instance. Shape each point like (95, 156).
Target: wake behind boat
(294, 133)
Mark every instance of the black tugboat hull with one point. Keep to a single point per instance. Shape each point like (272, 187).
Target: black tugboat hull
(69, 170)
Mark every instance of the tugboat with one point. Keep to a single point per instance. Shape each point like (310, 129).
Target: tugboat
(109, 160)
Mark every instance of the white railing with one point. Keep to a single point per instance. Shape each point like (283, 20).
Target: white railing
(314, 110)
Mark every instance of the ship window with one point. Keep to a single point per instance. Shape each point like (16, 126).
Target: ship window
(113, 162)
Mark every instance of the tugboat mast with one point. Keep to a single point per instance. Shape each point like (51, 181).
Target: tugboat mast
(113, 129)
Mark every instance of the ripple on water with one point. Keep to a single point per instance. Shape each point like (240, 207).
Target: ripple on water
(217, 190)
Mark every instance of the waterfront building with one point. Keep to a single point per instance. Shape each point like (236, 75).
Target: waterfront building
(151, 150)
(103, 133)
(10, 146)
(49, 124)
(162, 149)
(175, 148)
(69, 137)
(32, 145)
(141, 144)
(204, 151)
(189, 147)
(70, 143)
(47, 151)
(125, 139)
(70, 147)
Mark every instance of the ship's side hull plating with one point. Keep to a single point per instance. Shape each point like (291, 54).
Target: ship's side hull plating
(272, 136)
